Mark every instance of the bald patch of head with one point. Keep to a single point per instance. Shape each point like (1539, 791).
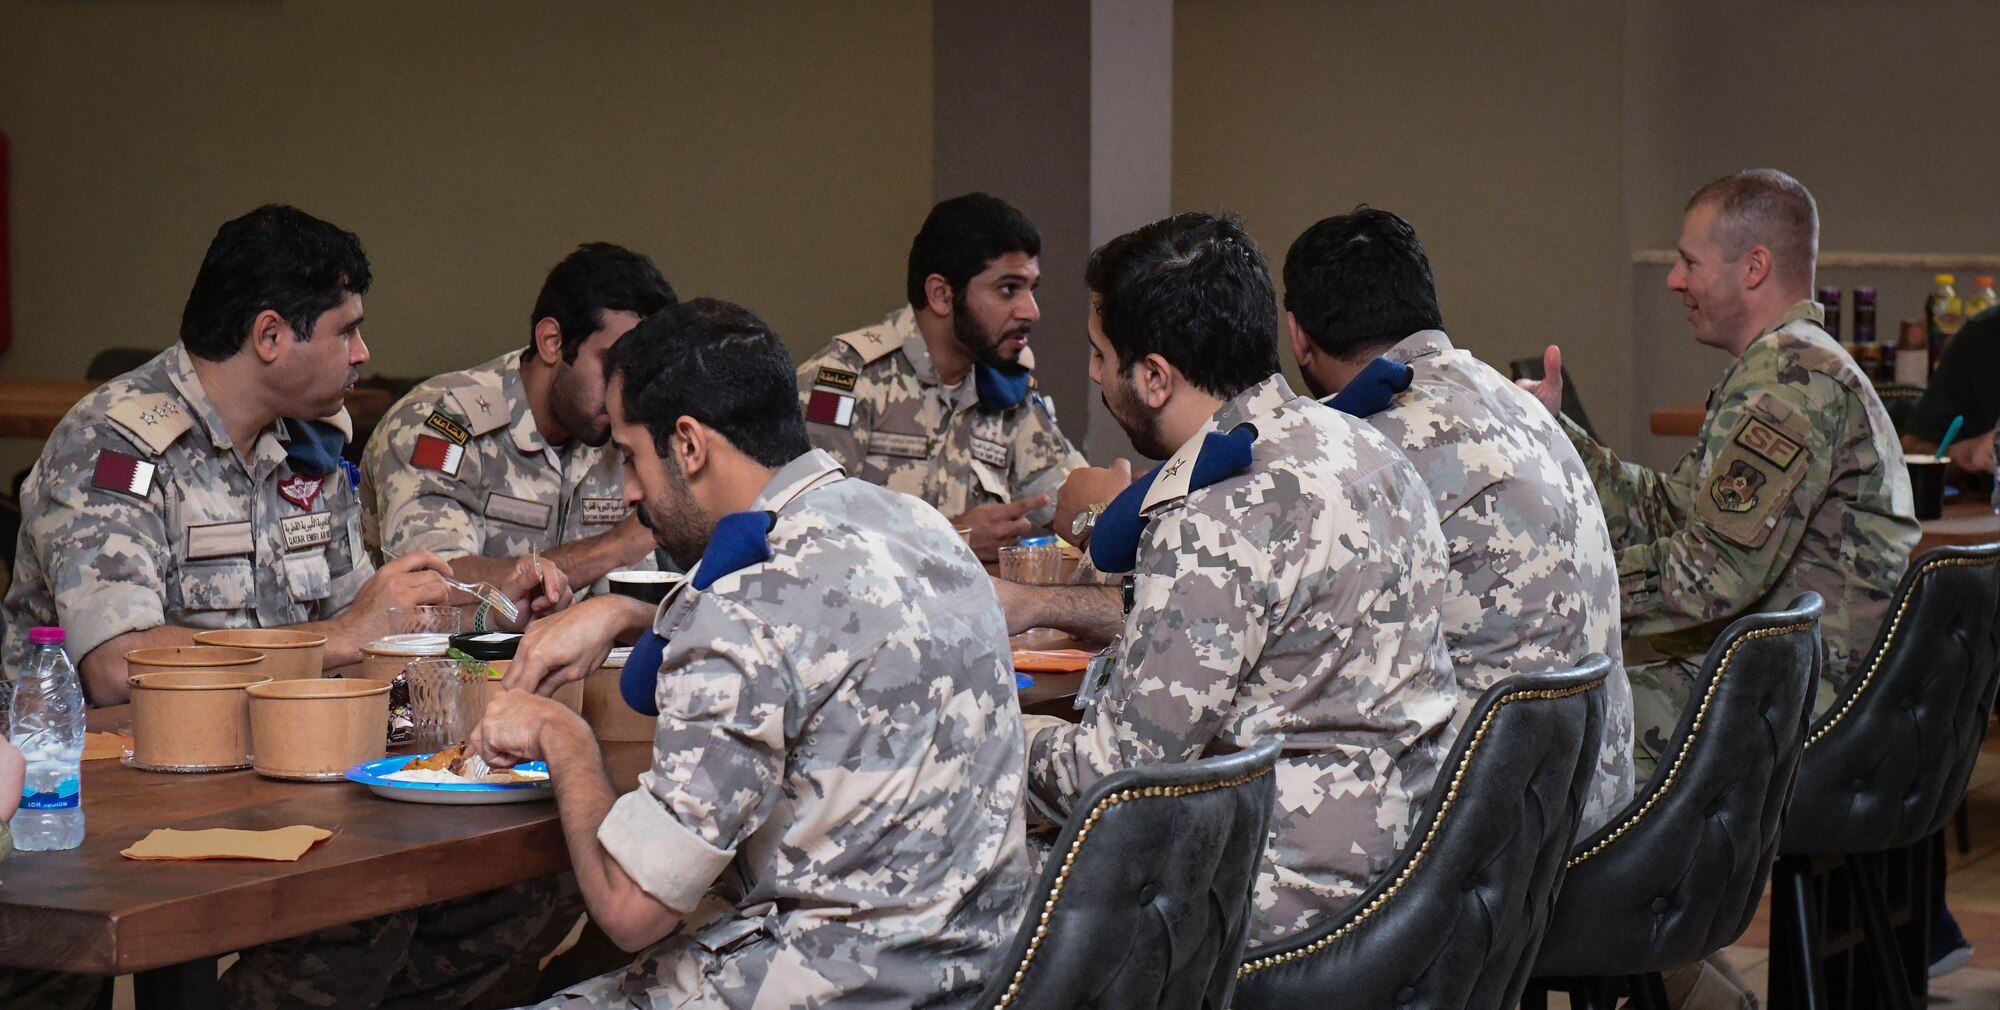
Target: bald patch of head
(1763, 206)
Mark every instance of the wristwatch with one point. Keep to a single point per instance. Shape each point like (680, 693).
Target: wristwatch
(1085, 521)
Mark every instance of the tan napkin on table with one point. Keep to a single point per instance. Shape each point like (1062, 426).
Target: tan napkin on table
(100, 746)
(279, 845)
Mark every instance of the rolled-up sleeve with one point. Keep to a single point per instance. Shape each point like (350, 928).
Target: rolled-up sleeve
(726, 695)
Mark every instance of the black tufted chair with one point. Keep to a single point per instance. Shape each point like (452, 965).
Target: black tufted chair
(1145, 901)
(1900, 400)
(1888, 762)
(1456, 921)
(1677, 874)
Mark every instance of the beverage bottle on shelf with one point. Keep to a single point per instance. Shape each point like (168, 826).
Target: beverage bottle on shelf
(1912, 354)
(1864, 330)
(1943, 312)
(1981, 298)
(1829, 300)
(47, 724)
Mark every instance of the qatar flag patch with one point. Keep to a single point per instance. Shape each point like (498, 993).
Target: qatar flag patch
(434, 453)
(828, 407)
(123, 474)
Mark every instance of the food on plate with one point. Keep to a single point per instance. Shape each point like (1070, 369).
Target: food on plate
(448, 766)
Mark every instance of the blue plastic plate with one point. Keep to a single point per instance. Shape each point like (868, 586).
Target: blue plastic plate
(373, 774)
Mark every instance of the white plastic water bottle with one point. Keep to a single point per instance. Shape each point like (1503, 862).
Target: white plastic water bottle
(47, 724)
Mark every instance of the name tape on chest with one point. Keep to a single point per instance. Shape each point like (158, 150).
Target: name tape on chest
(448, 426)
(519, 511)
(825, 406)
(891, 443)
(124, 474)
(434, 453)
(601, 511)
(991, 453)
(314, 529)
(219, 540)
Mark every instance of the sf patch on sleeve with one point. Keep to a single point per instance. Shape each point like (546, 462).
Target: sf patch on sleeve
(1753, 477)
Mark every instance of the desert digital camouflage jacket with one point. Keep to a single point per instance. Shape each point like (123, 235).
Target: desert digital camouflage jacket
(835, 797)
(1299, 599)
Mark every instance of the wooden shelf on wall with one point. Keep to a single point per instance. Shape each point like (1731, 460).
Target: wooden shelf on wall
(1933, 262)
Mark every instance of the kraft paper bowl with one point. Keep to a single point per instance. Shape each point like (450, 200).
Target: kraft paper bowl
(605, 710)
(315, 730)
(166, 659)
(384, 658)
(288, 654)
(192, 720)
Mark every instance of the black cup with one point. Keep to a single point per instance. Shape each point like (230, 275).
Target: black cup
(650, 587)
(1927, 485)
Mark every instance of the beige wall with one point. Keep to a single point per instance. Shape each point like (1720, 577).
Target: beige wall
(772, 153)
(1493, 128)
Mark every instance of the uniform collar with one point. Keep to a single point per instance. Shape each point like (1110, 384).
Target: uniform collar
(1421, 344)
(269, 450)
(520, 418)
(795, 478)
(1767, 341)
(1258, 401)
(903, 322)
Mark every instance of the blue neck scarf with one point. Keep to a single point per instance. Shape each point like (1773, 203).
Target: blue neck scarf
(1114, 545)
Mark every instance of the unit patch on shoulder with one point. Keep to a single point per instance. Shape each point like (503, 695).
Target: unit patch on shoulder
(825, 406)
(1735, 489)
(434, 453)
(838, 378)
(124, 474)
(448, 426)
(301, 490)
(1768, 443)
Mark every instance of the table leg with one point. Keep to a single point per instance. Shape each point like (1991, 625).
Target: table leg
(187, 986)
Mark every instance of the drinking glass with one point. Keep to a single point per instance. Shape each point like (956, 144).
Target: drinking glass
(446, 701)
(1034, 565)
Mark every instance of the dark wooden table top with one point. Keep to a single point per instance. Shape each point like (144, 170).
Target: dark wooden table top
(91, 910)
(1968, 519)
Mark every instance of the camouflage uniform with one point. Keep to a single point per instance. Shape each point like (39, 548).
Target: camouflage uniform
(458, 467)
(904, 429)
(140, 515)
(1299, 599)
(1533, 584)
(1796, 484)
(834, 805)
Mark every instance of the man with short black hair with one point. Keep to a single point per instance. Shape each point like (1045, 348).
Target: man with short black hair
(1534, 584)
(938, 400)
(832, 816)
(503, 462)
(1287, 578)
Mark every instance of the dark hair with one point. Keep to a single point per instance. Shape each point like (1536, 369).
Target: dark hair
(717, 363)
(1192, 288)
(597, 278)
(1763, 206)
(274, 258)
(1360, 281)
(961, 236)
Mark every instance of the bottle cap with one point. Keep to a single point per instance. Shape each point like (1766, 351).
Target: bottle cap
(1984, 282)
(1945, 278)
(45, 636)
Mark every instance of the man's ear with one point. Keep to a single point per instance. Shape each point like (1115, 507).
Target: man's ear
(548, 340)
(1756, 266)
(267, 333)
(1302, 345)
(938, 295)
(691, 446)
(1156, 380)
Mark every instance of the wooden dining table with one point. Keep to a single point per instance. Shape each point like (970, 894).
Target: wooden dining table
(92, 911)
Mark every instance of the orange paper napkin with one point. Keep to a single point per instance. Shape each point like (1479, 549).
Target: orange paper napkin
(100, 746)
(283, 845)
(1051, 660)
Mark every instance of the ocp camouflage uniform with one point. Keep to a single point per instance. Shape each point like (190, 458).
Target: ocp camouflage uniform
(904, 429)
(140, 514)
(1796, 484)
(834, 805)
(1299, 599)
(1533, 584)
(458, 467)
